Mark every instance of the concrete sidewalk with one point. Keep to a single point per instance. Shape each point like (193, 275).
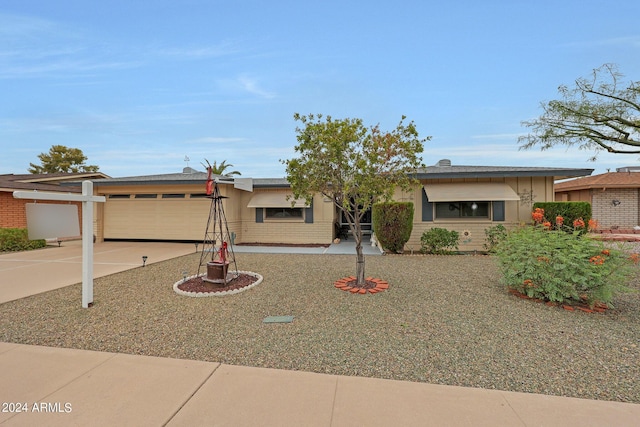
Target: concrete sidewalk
(56, 386)
(62, 387)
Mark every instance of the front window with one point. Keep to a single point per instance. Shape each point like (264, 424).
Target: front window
(462, 210)
(283, 213)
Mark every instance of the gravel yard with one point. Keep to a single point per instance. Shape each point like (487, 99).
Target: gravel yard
(444, 320)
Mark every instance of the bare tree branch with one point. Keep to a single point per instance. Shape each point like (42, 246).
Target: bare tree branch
(596, 114)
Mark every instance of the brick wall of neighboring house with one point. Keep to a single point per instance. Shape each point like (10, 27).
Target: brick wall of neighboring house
(13, 213)
(623, 215)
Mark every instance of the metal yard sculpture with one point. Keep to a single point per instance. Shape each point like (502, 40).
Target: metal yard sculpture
(217, 253)
(218, 261)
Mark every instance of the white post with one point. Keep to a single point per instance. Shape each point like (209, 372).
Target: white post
(87, 244)
(88, 199)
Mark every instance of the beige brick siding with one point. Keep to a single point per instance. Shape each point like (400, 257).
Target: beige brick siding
(474, 242)
(287, 232)
(624, 215)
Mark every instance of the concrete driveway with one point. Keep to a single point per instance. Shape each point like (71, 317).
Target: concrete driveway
(32, 272)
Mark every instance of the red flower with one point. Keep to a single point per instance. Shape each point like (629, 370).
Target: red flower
(559, 221)
(596, 260)
(538, 215)
(593, 225)
(578, 223)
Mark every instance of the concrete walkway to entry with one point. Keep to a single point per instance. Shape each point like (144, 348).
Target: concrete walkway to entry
(60, 387)
(343, 248)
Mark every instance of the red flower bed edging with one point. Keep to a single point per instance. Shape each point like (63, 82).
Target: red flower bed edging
(371, 285)
(597, 308)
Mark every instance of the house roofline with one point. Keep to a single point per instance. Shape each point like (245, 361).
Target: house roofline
(555, 173)
(430, 172)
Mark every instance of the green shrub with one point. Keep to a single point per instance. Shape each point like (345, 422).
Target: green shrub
(393, 223)
(16, 239)
(439, 241)
(493, 236)
(562, 267)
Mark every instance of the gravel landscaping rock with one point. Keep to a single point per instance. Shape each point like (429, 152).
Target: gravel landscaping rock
(443, 320)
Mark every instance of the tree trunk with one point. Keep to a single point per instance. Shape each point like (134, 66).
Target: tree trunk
(353, 218)
(359, 265)
(359, 258)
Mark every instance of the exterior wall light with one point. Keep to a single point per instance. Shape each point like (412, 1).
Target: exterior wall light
(615, 202)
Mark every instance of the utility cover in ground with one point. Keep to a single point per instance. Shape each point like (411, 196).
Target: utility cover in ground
(278, 319)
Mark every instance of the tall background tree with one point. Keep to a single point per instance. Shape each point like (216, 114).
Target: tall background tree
(599, 113)
(353, 166)
(62, 159)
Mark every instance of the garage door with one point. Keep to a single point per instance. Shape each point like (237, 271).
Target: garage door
(155, 216)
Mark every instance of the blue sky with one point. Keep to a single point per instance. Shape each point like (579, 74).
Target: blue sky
(139, 85)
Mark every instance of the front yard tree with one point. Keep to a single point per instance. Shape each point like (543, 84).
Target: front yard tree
(353, 166)
(62, 159)
(599, 113)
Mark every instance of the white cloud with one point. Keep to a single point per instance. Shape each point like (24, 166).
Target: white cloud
(244, 83)
(633, 41)
(252, 86)
(622, 41)
(19, 26)
(509, 136)
(222, 49)
(32, 47)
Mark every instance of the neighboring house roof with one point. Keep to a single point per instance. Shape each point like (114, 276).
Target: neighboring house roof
(605, 180)
(45, 181)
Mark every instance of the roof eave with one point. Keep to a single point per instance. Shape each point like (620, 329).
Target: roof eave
(555, 173)
(100, 183)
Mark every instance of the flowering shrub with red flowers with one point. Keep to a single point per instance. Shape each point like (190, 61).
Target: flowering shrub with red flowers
(562, 266)
(539, 217)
